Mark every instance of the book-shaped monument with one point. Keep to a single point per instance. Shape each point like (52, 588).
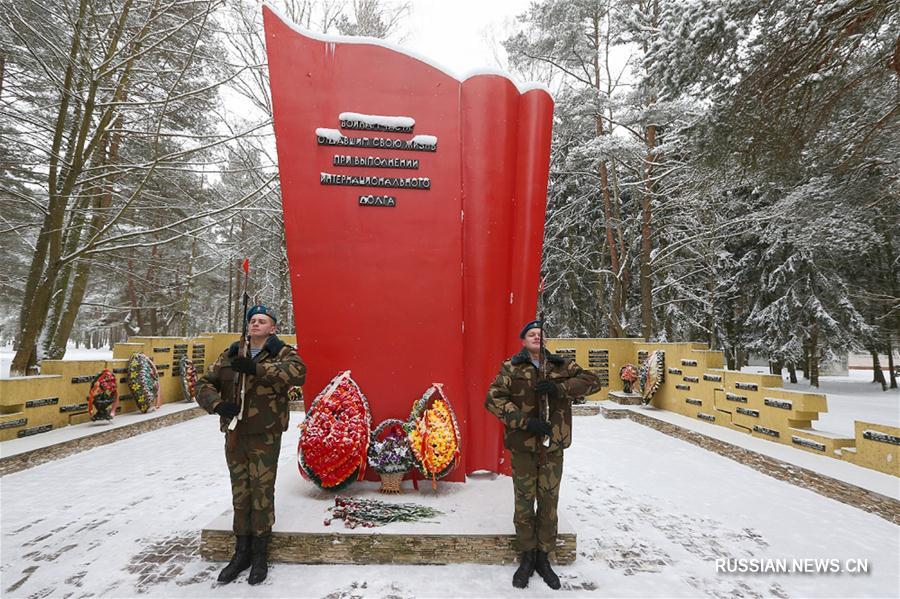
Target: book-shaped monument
(414, 210)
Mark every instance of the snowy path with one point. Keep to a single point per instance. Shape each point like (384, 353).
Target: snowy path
(652, 515)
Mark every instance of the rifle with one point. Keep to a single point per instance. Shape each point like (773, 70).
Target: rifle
(240, 381)
(543, 402)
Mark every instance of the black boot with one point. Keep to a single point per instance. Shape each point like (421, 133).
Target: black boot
(542, 566)
(260, 565)
(525, 570)
(240, 561)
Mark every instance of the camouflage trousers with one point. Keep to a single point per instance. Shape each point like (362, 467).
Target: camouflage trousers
(252, 464)
(536, 483)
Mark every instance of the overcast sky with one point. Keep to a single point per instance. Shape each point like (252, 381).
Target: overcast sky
(453, 32)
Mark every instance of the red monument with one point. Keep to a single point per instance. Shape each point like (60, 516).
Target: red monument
(414, 212)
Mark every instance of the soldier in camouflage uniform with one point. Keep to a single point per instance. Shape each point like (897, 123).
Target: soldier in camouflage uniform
(514, 397)
(252, 449)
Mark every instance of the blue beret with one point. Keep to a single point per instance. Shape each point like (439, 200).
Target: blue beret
(534, 324)
(260, 309)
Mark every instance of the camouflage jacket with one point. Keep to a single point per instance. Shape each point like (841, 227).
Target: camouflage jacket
(278, 368)
(512, 399)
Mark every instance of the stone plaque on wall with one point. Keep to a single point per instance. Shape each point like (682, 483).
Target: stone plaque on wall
(747, 386)
(566, 352)
(748, 412)
(36, 403)
(783, 404)
(598, 358)
(77, 407)
(598, 362)
(808, 443)
(713, 378)
(179, 352)
(34, 430)
(707, 417)
(766, 431)
(733, 397)
(689, 362)
(14, 423)
(881, 437)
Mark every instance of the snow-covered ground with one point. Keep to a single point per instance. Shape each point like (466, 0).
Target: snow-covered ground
(652, 513)
(853, 397)
(850, 398)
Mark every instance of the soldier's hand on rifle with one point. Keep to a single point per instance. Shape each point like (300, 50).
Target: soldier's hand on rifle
(243, 365)
(548, 387)
(538, 426)
(227, 409)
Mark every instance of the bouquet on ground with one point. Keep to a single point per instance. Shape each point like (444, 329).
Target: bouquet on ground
(434, 434)
(334, 437)
(369, 513)
(629, 374)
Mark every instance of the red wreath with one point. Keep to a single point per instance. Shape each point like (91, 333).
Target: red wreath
(334, 438)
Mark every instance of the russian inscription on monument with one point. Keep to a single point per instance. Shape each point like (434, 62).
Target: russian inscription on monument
(355, 121)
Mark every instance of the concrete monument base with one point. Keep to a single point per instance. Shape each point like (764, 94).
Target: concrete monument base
(475, 526)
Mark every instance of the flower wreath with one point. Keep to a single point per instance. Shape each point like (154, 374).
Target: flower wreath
(334, 437)
(188, 379)
(434, 434)
(652, 374)
(392, 453)
(103, 398)
(143, 380)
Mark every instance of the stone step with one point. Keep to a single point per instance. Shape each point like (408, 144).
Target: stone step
(475, 527)
(625, 399)
(821, 442)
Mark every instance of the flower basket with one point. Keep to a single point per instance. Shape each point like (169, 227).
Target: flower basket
(652, 375)
(188, 379)
(628, 374)
(143, 380)
(334, 437)
(103, 398)
(434, 434)
(390, 482)
(389, 454)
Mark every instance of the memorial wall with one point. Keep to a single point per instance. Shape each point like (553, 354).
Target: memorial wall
(695, 385)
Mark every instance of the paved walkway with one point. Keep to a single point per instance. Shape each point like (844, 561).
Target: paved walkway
(653, 514)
